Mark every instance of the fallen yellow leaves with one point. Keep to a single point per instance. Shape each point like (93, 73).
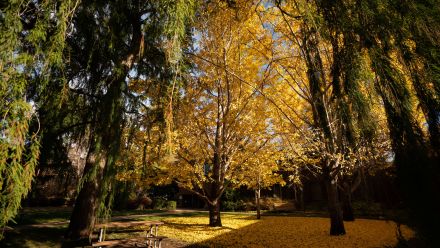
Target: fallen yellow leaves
(195, 229)
(240, 230)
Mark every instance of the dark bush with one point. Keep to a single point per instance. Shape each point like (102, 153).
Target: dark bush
(160, 203)
(367, 209)
(232, 201)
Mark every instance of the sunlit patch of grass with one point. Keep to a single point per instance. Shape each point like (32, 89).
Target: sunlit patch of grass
(195, 229)
(271, 231)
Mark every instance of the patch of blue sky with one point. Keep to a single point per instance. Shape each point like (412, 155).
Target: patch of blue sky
(196, 37)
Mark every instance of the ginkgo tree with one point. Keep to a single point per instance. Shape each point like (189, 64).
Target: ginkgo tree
(222, 129)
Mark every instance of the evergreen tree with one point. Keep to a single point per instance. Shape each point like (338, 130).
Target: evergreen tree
(112, 44)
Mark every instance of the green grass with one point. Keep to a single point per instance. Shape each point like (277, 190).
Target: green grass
(137, 212)
(39, 217)
(35, 237)
(52, 234)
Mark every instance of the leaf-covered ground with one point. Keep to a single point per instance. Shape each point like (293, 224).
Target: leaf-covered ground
(275, 231)
(239, 230)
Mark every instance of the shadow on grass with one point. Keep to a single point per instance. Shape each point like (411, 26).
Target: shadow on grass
(36, 237)
(161, 217)
(51, 236)
(39, 217)
(292, 231)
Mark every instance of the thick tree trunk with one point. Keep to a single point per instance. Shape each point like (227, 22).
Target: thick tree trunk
(214, 214)
(83, 216)
(347, 207)
(257, 202)
(335, 211)
(105, 143)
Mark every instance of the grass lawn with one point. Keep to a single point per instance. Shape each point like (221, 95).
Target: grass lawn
(239, 230)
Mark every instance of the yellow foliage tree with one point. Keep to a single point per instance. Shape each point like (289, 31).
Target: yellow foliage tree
(223, 132)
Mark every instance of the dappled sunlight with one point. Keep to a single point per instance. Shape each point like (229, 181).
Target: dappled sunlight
(273, 231)
(196, 229)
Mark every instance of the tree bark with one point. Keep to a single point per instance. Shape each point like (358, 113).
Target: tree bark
(214, 214)
(83, 216)
(347, 207)
(104, 147)
(336, 219)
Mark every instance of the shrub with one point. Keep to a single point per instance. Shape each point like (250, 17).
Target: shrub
(160, 203)
(171, 205)
(234, 205)
(228, 205)
(367, 209)
(231, 201)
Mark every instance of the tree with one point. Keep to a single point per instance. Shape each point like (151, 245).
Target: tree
(306, 39)
(221, 126)
(125, 39)
(398, 38)
(32, 38)
(394, 36)
(261, 170)
(336, 85)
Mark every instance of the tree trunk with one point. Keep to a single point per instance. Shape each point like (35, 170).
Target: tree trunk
(295, 196)
(281, 192)
(299, 201)
(257, 202)
(347, 208)
(105, 144)
(302, 205)
(336, 220)
(83, 215)
(214, 214)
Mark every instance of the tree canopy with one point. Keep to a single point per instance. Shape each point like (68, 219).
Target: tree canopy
(222, 94)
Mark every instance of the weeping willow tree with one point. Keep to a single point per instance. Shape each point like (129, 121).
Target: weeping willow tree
(114, 44)
(408, 41)
(32, 38)
(350, 76)
(336, 70)
(417, 38)
(401, 39)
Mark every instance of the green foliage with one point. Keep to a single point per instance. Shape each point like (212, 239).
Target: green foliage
(114, 49)
(160, 202)
(178, 14)
(231, 201)
(31, 45)
(171, 205)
